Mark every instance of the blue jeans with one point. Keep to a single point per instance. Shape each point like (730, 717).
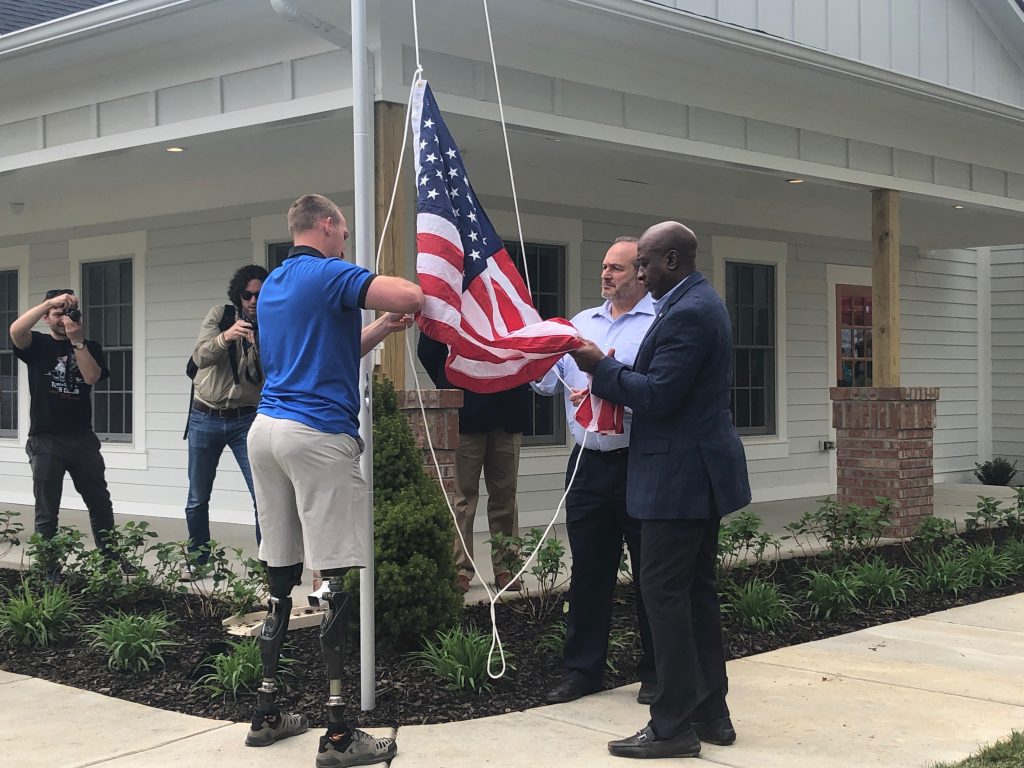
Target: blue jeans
(208, 435)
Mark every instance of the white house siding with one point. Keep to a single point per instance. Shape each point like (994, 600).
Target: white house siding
(1008, 354)
(950, 42)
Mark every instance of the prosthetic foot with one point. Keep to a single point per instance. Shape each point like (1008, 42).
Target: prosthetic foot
(269, 724)
(342, 745)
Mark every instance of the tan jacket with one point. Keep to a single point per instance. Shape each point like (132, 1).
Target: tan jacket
(214, 382)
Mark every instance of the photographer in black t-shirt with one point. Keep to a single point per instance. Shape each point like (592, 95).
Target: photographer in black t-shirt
(62, 369)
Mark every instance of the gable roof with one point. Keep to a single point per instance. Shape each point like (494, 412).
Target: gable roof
(19, 14)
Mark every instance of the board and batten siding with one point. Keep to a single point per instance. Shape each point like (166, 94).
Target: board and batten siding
(950, 42)
(1008, 354)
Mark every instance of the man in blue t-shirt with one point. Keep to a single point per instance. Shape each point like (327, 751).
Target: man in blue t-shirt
(304, 450)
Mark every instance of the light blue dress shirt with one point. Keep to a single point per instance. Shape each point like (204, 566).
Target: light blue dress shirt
(623, 334)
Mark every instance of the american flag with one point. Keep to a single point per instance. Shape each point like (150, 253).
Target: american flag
(476, 301)
(601, 416)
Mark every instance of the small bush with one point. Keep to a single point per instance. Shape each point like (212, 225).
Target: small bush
(880, 584)
(831, 595)
(988, 514)
(933, 533)
(621, 641)
(459, 657)
(239, 670)
(133, 643)
(743, 542)
(54, 555)
(943, 572)
(986, 566)
(995, 472)
(843, 531)
(30, 620)
(548, 567)
(553, 640)
(11, 529)
(759, 605)
(1014, 550)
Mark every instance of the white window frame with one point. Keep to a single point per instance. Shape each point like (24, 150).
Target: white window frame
(743, 250)
(264, 231)
(17, 258)
(126, 245)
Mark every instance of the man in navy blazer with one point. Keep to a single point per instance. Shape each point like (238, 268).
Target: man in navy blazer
(686, 470)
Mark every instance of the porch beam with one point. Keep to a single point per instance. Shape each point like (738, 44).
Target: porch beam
(885, 286)
(389, 123)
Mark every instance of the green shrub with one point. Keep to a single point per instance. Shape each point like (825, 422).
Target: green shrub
(988, 514)
(133, 643)
(31, 620)
(11, 529)
(742, 541)
(416, 594)
(239, 670)
(553, 640)
(995, 472)
(880, 584)
(459, 657)
(621, 641)
(55, 554)
(986, 566)
(1014, 550)
(843, 531)
(758, 605)
(932, 534)
(944, 572)
(831, 595)
(548, 568)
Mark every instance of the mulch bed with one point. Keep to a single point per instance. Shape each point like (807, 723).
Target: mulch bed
(407, 694)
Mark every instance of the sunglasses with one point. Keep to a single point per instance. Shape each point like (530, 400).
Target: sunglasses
(59, 292)
(246, 295)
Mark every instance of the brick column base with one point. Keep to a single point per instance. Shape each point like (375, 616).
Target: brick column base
(884, 448)
(442, 407)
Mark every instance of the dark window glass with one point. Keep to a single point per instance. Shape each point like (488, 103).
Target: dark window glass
(107, 303)
(750, 297)
(545, 265)
(8, 363)
(277, 253)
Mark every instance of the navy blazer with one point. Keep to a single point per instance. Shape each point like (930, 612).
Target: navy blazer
(683, 445)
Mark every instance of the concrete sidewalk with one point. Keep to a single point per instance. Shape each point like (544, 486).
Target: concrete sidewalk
(901, 696)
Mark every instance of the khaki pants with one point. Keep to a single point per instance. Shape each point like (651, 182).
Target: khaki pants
(497, 454)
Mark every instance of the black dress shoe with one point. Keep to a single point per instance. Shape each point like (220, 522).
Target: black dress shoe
(648, 693)
(718, 731)
(645, 744)
(571, 688)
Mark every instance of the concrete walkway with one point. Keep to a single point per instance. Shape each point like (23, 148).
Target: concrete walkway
(901, 695)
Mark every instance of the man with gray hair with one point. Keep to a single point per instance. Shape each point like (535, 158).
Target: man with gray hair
(304, 451)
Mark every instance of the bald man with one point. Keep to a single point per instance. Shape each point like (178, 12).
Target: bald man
(686, 470)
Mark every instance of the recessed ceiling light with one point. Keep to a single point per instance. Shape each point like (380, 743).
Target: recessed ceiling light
(958, 207)
(794, 181)
(174, 149)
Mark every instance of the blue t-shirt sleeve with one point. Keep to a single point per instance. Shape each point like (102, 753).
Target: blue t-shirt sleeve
(347, 283)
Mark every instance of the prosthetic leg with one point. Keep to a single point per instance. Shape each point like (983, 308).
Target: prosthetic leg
(342, 746)
(269, 724)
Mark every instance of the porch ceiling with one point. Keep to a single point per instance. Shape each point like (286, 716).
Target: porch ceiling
(561, 175)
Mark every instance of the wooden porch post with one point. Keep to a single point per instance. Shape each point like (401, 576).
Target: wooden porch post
(885, 286)
(389, 123)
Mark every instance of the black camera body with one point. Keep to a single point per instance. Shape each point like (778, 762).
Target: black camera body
(74, 315)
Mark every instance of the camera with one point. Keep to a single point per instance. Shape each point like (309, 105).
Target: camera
(74, 315)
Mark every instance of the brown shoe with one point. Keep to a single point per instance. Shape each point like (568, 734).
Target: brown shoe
(462, 582)
(504, 581)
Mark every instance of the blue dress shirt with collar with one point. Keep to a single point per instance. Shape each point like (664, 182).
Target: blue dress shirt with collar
(623, 334)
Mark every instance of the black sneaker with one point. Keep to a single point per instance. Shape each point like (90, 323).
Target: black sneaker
(363, 749)
(264, 730)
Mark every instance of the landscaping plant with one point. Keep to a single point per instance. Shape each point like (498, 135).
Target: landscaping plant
(742, 542)
(459, 657)
(11, 529)
(133, 643)
(238, 670)
(49, 557)
(832, 595)
(548, 568)
(943, 571)
(843, 532)
(986, 566)
(40, 619)
(758, 605)
(878, 583)
(995, 472)
(931, 535)
(988, 514)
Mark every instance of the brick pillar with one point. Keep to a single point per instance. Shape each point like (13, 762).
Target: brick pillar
(884, 448)
(442, 407)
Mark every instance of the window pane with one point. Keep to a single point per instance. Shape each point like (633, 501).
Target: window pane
(743, 408)
(8, 366)
(750, 299)
(742, 368)
(108, 307)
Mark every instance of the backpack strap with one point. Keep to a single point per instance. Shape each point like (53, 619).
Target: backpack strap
(226, 321)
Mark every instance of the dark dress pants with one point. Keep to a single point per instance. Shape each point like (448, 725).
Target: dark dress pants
(681, 592)
(78, 454)
(597, 523)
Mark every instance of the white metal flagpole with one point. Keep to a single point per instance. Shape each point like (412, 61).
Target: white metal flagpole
(362, 134)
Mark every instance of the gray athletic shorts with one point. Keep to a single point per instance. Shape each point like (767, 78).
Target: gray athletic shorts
(310, 495)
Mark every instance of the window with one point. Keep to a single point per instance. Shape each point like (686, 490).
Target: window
(107, 309)
(853, 348)
(276, 254)
(545, 265)
(750, 297)
(8, 363)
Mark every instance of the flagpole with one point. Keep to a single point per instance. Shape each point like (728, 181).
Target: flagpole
(362, 135)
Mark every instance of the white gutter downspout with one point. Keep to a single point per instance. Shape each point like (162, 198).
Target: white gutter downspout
(362, 135)
(86, 22)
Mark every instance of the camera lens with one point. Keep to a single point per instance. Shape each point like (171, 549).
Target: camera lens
(75, 315)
